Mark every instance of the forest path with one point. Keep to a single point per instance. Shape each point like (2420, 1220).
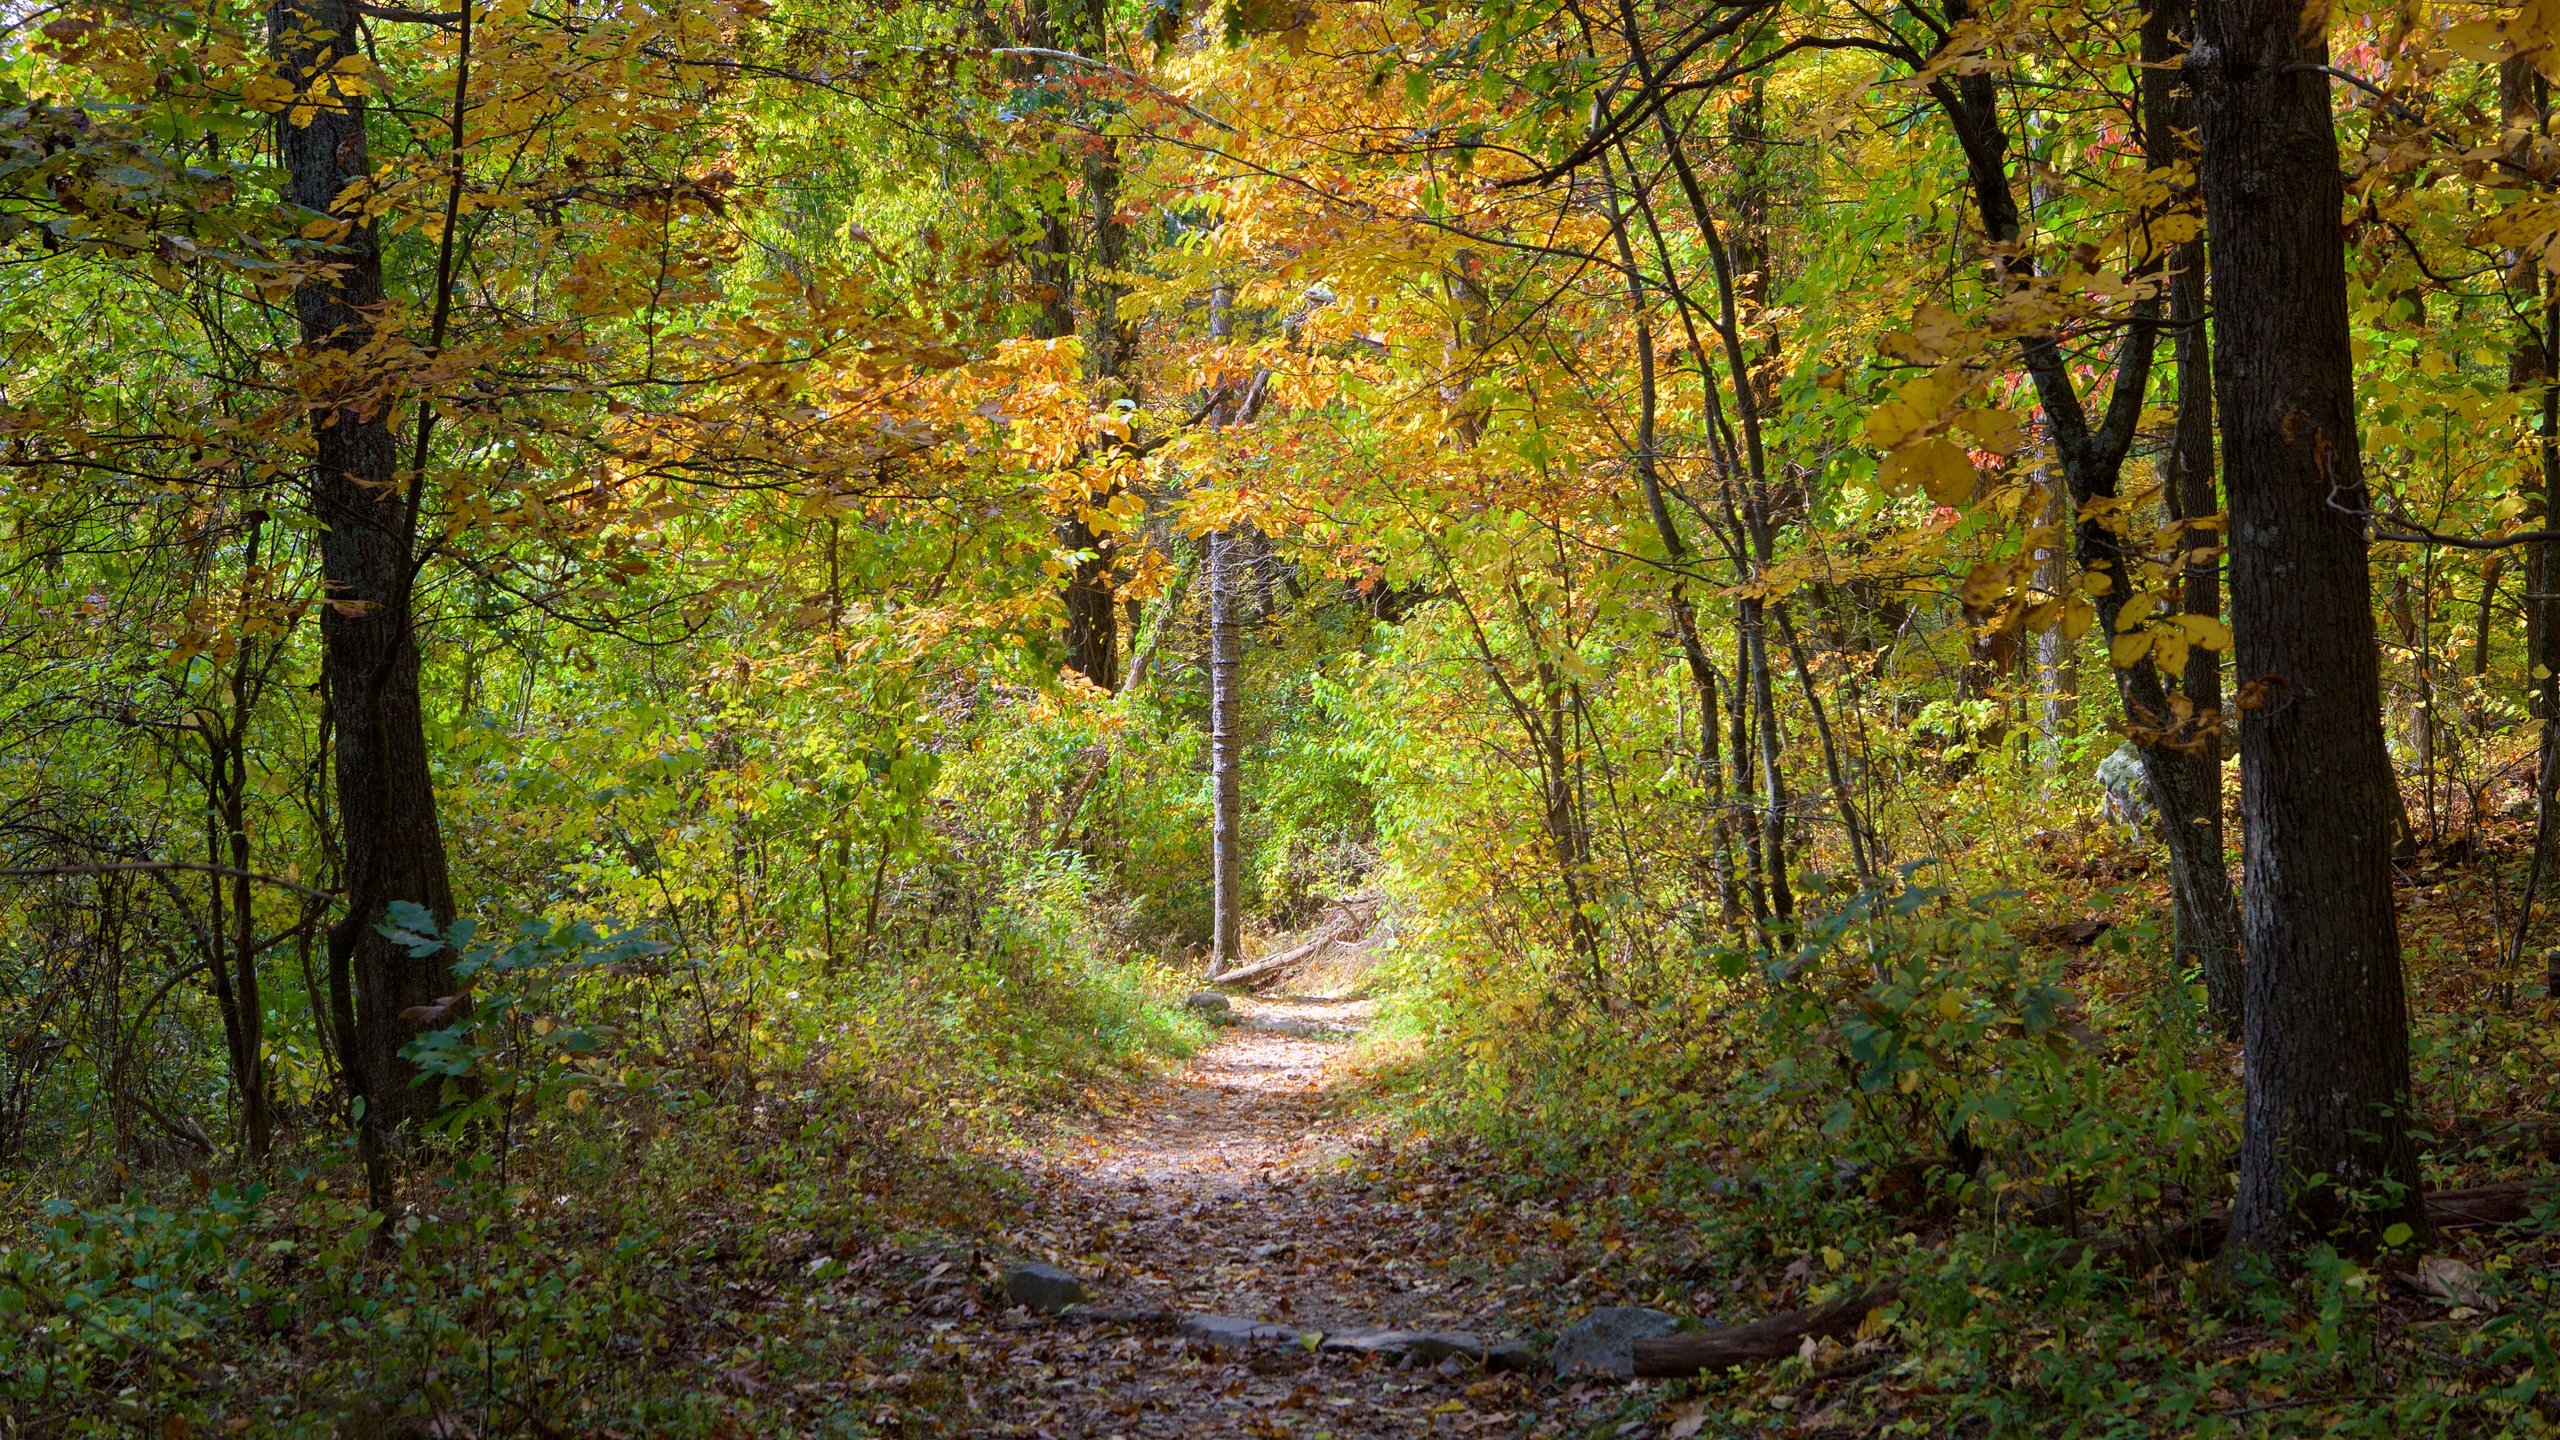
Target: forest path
(1235, 1190)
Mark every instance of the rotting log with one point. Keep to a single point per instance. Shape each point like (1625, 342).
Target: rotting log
(1772, 1337)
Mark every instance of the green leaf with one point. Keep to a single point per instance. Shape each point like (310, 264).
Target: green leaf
(408, 924)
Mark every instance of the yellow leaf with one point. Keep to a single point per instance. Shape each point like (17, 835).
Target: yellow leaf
(1893, 422)
(268, 93)
(1995, 430)
(2175, 229)
(1937, 466)
(1832, 1258)
(2078, 616)
(2126, 651)
(2205, 632)
(1950, 1005)
(2169, 647)
(2477, 40)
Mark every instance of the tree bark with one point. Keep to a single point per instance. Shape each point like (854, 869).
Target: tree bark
(394, 848)
(1092, 631)
(1226, 780)
(1226, 839)
(2204, 914)
(2327, 1072)
(2057, 664)
(1773, 1337)
(249, 1060)
(2524, 101)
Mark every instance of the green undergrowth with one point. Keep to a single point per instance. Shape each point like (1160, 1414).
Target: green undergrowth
(662, 1202)
(1926, 1087)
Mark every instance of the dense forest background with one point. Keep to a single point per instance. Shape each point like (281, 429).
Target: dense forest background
(633, 636)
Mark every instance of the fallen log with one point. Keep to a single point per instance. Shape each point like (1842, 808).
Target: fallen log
(1776, 1337)
(2502, 1203)
(1295, 954)
(1773, 1337)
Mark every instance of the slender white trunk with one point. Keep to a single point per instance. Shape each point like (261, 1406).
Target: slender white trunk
(2057, 667)
(1226, 843)
(1226, 832)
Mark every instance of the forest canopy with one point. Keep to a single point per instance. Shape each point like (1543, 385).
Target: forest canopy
(646, 649)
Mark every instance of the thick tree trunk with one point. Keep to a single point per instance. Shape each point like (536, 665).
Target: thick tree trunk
(1093, 615)
(2524, 102)
(2327, 1074)
(1092, 631)
(394, 850)
(1093, 618)
(1745, 790)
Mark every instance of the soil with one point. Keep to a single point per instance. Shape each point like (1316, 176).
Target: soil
(1242, 1188)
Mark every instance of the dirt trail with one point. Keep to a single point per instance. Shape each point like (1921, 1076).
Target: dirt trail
(1234, 1190)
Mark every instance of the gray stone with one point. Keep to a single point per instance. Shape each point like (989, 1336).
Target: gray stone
(2125, 790)
(1211, 1006)
(1235, 1330)
(1511, 1355)
(1044, 1288)
(1603, 1343)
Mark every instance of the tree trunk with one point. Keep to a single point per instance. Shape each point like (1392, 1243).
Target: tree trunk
(1773, 776)
(394, 850)
(1226, 839)
(1462, 354)
(2057, 664)
(249, 1064)
(2524, 102)
(1092, 631)
(1684, 618)
(1226, 822)
(2187, 799)
(2204, 914)
(2327, 1074)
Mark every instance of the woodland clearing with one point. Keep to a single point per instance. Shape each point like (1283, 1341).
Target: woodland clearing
(1856, 710)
